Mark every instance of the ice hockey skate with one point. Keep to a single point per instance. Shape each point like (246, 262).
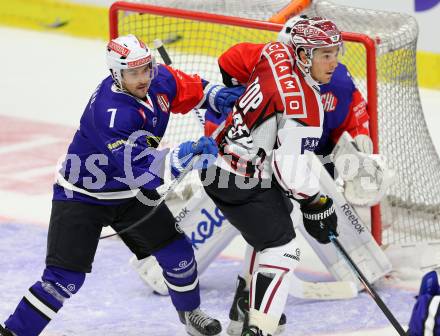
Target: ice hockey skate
(239, 309)
(197, 323)
(5, 332)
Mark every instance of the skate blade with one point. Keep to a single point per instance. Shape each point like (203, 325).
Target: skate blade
(194, 332)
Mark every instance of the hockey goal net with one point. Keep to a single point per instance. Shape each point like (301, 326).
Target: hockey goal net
(380, 54)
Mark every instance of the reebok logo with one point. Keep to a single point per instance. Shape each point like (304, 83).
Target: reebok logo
(353, 218)
(181, 215)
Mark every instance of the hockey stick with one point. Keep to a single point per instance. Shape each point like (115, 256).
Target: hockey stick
(158, 44)
(367, 285)
(171, 187)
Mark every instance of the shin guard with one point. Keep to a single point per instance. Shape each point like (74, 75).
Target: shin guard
(270, 285)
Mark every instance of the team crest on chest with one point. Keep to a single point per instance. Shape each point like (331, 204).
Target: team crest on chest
(329, 101)
(163, 102)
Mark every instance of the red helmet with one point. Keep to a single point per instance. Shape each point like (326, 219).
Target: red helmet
(311, 33)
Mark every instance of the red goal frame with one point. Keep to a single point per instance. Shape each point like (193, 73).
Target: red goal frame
(366, 41)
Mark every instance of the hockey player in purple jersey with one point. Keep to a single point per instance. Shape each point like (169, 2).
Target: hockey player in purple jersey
(109, 178)
(425, 317)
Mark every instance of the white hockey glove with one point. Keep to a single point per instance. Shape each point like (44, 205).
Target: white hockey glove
(364, 143)
(366, 176)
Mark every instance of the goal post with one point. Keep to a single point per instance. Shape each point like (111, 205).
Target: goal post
(291, 9)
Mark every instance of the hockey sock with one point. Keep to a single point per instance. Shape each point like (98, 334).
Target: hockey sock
(180, 272)
(43, 300)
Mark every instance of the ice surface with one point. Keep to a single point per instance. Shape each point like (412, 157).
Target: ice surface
(114, 301)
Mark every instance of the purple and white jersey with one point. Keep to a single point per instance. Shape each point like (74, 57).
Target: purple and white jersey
(113, 153)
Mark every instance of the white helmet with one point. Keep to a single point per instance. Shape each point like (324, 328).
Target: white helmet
(128, 52)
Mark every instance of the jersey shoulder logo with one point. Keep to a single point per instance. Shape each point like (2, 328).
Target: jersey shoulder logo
(329, 101)
(163, 102)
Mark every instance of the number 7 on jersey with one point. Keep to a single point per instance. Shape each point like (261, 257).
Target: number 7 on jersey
(112, 117)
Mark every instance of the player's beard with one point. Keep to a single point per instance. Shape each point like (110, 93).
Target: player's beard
(141, 90)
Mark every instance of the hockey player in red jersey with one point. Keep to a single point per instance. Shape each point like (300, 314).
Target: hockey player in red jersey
(345, 108)
(273, 127)
(345, 111)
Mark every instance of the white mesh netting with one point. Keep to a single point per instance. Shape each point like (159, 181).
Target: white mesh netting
(413, 204)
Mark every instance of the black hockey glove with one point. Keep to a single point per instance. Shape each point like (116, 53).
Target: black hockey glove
(320, 219)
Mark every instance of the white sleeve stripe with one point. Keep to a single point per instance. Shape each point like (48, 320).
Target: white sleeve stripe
(105, 195)
(181, 289)
(432, 312)
(40, 305)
